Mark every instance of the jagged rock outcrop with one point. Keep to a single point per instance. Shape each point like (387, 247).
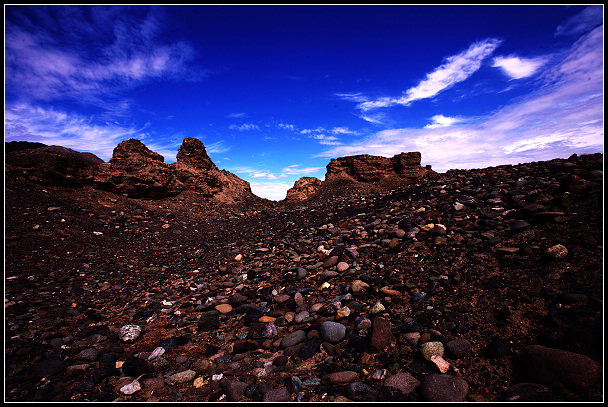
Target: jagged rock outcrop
(303, 188)
(360, 172)
(195, 170)
(134, 170)
(50, 165)
(137, 171)
(371, 168)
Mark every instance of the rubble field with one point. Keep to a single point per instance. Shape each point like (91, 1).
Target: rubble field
(469, 285)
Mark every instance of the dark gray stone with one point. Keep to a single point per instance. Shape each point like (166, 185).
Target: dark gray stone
(209, 321)
(277, 395)
(458, 348)
(236, 390)
(310, 348)
(358, 391)
(332, 331)
(135, 366)
(443, 387)
(559, 368)
(293, 338)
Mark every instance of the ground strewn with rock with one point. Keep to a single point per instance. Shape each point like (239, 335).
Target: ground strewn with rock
(480, 285)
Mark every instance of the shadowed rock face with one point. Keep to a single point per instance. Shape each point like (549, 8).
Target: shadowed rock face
(370, 168)
(303, 188)
(193, 153)
(51, 165)
(138, 172)
(134, 170)
(197, 172)
(134, 151)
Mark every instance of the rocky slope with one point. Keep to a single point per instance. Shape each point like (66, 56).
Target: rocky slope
(481, 285)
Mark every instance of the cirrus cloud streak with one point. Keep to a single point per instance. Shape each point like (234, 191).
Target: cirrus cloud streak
(563, 115)
(99, 52)
(456, 68)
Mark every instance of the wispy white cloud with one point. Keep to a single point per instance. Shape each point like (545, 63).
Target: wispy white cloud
(236, 115)
(99, 52)
(329, 136)
(377, 118)
(440, 120)
(264, 174)
(275, 191)
(256, 172)
(583, 22)
(344, 130)
(295, 170)
(456, 68)
(285, 126)
(244, 127)
(81, 133)
(218, 147)
(517, 68)
(353, 97)
(561, 117)
(311, 131)
(327, 140)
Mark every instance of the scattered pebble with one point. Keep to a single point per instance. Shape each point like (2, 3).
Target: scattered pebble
(380, 297)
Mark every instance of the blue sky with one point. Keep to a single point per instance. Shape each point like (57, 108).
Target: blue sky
(275, 92)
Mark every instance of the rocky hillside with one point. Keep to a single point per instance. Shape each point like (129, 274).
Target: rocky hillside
(481, 285)
(49, 165)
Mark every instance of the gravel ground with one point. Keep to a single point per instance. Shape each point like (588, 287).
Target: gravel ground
(481, 285)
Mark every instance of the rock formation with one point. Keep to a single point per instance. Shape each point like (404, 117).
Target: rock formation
(303, 188)
(138, 172)
(362, 171)
(134, 170)
(370, 168)
(195, 170)
(21, 145)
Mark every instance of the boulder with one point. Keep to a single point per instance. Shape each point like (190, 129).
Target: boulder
(561, 369)
(138, 172)
(361, 174)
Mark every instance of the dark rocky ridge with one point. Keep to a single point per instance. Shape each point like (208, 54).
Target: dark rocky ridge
(133, 170)
(498, 268)
(50, 165)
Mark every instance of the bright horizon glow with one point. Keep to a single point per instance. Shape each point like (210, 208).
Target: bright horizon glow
(275, 92)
